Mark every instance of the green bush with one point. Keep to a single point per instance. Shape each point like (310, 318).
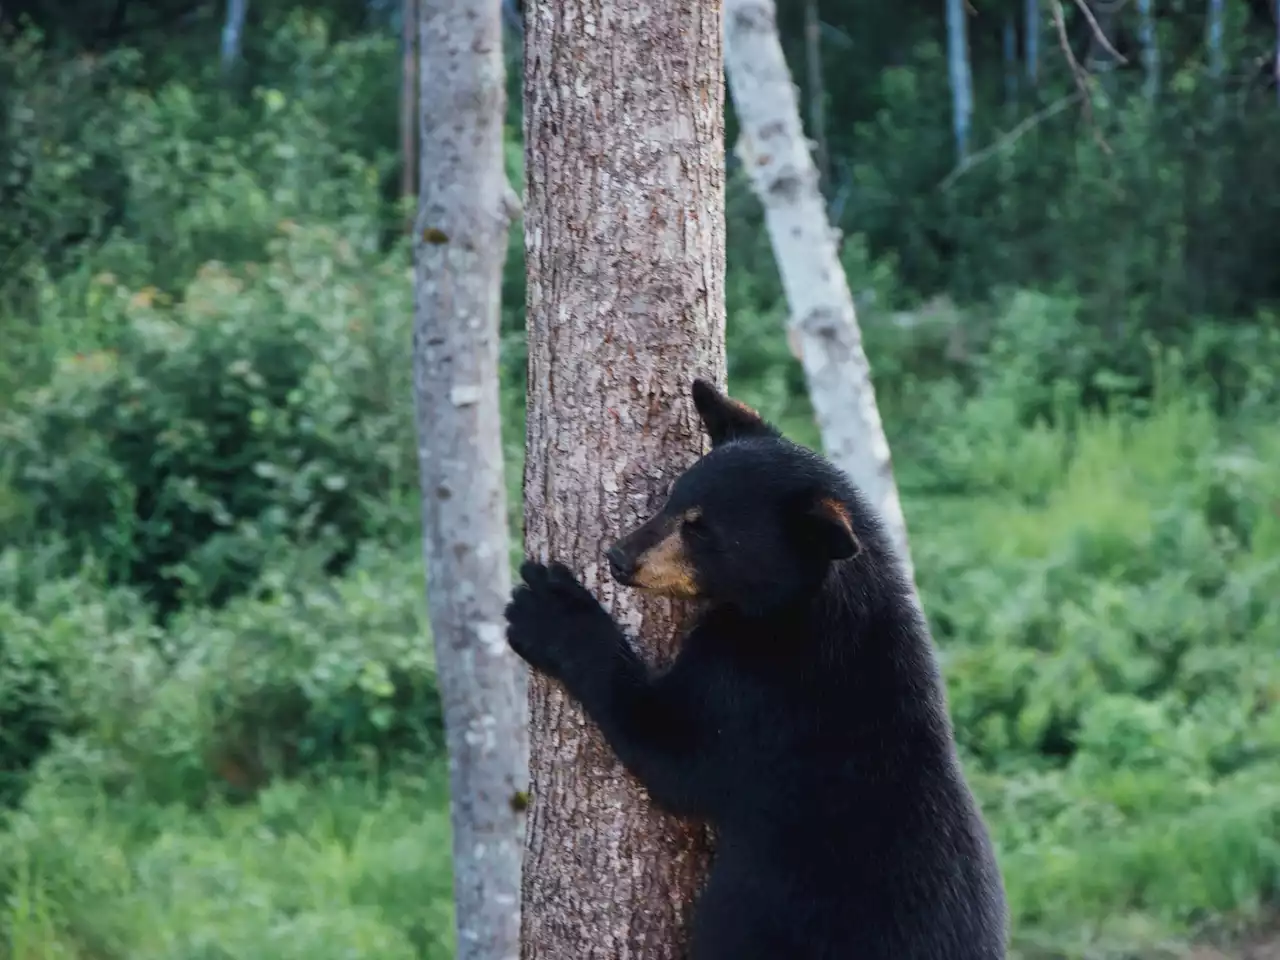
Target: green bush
(104, 169)
(47, 624)
(266, 407)
(1108, 613)
(335, 871)
(306, 675)
(1150, 215)
(1156, 552)
(179, 171)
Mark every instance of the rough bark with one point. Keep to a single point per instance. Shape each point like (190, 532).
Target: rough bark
(824, 325)
(624, 243)
(464, 211)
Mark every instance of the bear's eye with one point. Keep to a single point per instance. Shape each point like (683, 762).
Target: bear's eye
(695, 525)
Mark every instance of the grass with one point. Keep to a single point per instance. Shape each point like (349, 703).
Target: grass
(325, 871)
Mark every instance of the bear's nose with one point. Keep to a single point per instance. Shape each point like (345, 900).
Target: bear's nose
(620, 565)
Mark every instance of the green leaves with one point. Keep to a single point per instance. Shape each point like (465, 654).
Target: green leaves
(1110, 652)
(264, 407)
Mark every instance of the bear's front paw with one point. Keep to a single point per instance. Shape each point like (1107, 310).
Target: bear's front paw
(553, 621)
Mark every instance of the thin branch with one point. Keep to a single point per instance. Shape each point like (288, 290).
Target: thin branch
(1006, 140)
(1078, 73)
(1099, 32)
(837, 34)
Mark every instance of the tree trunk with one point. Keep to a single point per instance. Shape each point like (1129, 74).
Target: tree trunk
(1213, 37)
(624, 240)
(464, 212)
(233, 34)
(1149, 43)
(823, 320)
(959, 72)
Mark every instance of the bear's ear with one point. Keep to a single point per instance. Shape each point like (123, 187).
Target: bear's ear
(724, 418)
(829, 528)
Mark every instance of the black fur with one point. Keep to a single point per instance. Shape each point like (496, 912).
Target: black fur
(804, 717)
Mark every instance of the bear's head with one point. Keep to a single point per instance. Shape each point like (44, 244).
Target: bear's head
(756, 523)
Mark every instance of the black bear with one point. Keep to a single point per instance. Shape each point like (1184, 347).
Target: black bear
(804, 717)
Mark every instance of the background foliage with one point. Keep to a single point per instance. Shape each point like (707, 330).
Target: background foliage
(219, 734)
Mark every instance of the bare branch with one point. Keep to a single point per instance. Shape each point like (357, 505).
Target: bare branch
(1099, 32)
(1078, 73)
(1007, 140)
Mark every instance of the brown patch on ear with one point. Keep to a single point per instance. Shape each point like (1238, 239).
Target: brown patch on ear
(725, 418)
(836, 512)
(665, 568)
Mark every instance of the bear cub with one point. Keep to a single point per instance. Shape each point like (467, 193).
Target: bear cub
(804, 717)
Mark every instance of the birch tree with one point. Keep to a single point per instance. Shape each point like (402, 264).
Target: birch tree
(824, 324)
(961, 81)
(232, 34)
(624, 244)
(465, 208)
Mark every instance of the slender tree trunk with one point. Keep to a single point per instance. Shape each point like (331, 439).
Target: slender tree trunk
(1214, 29)
(961, 81)
(823, 319)
(1150, 48)
(1213, 37)
(817, 92)
(409, 104)
(1031, 40)
(624, 240)
(465, 209)
(233, 34)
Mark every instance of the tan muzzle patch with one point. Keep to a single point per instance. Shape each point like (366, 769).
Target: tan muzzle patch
(665, 568)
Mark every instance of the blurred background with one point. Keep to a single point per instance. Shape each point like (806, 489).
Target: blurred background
(219, 731)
